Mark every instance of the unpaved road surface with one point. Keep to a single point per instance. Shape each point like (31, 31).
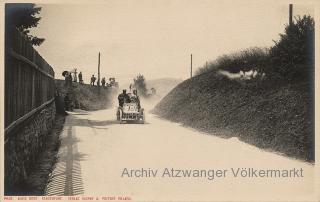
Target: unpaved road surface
(95, 150)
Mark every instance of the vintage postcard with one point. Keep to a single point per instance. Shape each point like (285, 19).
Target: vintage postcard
(159, 100)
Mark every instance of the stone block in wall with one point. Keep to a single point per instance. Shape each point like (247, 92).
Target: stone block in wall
(24, 146)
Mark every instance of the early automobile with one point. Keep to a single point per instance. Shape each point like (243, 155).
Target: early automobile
(113, 83)
(131, 111)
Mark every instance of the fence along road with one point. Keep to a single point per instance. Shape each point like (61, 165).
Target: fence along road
(29, 81)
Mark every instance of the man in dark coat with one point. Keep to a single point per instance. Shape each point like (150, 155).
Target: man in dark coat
(69, 79)
(123, 97)
(80, 77)
(93, 79)
(67, 103)
(103, 81)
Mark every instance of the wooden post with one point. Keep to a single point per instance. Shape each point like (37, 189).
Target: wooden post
(290, 14)
(190, 78)
(191, 68)
(33, 89)
(33, 81)
(98, 84)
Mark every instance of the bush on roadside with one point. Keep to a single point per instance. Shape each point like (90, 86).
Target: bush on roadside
(251, 59)
(292, 57)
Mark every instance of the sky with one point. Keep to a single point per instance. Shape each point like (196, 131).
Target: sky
(155, 38)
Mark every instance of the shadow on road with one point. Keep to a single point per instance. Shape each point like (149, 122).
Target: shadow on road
(66, 178)
(75, 121)
(85, 122)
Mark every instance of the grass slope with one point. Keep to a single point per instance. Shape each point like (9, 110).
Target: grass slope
(87, 97)
(270, 117)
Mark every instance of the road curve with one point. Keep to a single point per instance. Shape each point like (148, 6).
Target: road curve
(95, 151)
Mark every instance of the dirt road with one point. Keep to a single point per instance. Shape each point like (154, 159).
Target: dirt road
(96, 152)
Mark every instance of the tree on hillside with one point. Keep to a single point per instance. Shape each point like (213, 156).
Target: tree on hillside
(293, 55)
(290, 59)
(23, 16)
(139, 83)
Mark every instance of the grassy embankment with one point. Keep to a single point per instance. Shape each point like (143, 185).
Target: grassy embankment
(278, 118)
(87, 97)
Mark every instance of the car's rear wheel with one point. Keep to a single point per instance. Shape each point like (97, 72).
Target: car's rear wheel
(120, 116)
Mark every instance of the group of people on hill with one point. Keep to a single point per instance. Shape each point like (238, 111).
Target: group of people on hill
(93, 80)
(69, 78)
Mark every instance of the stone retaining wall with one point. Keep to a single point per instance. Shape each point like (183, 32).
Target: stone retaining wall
(23, 147)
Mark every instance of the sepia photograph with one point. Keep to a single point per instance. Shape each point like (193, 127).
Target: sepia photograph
(159, 100)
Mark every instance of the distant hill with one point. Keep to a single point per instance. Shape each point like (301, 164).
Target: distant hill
(163, 86)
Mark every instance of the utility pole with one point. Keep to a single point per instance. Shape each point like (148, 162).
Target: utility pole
(98, 84)
(290, 14)
(191, 68)
(190, 78)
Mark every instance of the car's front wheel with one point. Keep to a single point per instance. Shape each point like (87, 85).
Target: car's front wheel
(142, 115)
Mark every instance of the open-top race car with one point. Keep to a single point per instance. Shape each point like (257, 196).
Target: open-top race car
(131, 111)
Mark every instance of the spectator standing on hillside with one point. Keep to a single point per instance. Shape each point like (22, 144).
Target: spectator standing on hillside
(93, 80)
(75, 77)
(66, 77)
(69, 79)
(80, 77)
(103, 81)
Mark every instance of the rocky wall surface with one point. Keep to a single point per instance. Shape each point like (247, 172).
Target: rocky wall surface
(23, 147)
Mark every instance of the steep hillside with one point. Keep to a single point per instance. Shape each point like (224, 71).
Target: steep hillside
(87, 97)
(277, 118)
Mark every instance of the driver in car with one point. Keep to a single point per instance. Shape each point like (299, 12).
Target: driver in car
(123, 97)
